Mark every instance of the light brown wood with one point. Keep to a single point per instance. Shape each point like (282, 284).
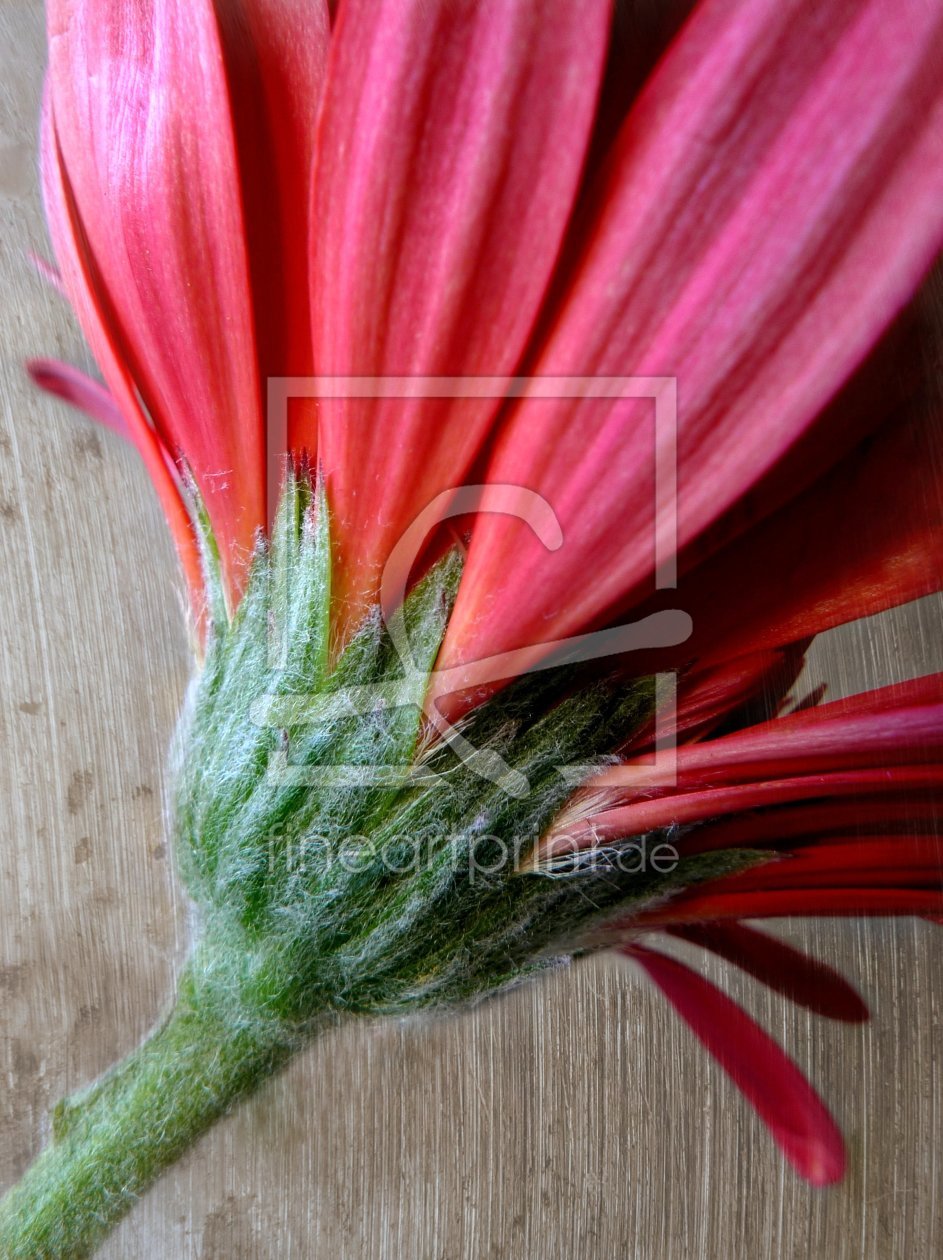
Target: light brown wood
(571, 1120)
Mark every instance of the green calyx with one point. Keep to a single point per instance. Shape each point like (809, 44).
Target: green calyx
(342, 860)
(362, 868)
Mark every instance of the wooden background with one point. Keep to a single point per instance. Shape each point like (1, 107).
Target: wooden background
(571, 1120)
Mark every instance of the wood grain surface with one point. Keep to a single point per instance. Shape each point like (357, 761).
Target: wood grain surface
(571, 1120)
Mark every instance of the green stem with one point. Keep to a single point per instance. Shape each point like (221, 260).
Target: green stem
(113, 1141)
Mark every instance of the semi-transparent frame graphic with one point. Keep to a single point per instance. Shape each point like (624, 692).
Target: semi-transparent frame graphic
(661, 629)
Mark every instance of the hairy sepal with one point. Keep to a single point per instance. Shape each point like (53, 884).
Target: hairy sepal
(344, 855)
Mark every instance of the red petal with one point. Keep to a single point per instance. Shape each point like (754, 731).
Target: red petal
(82, 284)
(865, 538)
(779, 966)
(142, 106)
(276, 60)
(685, 808)
(806, 903)
(450, 149)
(776, 197)
(887, 726)
(707, 697)
(781, 1095)
(791, 826)
(811, 742)
(876, 862)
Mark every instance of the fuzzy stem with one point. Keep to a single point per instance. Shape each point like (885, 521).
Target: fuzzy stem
(111, 1142)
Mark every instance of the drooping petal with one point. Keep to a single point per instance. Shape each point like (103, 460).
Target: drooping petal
(779, 966)
(450, 148)
(775, 198)
(142, 106)
(781, 1095)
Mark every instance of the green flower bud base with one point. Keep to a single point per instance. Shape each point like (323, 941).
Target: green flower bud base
(342, 863)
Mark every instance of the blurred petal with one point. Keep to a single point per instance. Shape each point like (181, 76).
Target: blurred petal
(48, 272)
(779, 966)
(71, 385)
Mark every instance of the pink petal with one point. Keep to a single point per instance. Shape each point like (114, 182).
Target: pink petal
(68, 383)
(82, 284)
(142, 106)
(48, 272)
(776, 195)
(781, 1095)
(450, 149)
(779, 966)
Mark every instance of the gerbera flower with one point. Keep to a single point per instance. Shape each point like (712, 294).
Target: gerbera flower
(408, 800)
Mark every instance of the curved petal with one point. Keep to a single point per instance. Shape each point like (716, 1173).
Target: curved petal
(82, 284)
(781, 1095)
(450, 148)
(142, 106)
(775, 198)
